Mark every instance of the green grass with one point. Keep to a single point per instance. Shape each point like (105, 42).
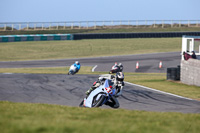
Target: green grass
(153, 80)
(36, 118)
(45, 70)
(158, 81)
(40, 50)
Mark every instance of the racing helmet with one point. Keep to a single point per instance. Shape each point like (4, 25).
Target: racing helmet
(120, 64)
(100, 78)
(119, 76)
(76, 62)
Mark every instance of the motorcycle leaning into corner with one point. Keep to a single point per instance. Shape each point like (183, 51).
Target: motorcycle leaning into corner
(114, 69)
(100, 96)
(74, 68)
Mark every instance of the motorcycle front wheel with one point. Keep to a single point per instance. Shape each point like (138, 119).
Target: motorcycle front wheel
(97, 103)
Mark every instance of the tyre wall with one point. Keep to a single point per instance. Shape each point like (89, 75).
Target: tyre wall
(49, 37)
(133, 35)
(37, 37)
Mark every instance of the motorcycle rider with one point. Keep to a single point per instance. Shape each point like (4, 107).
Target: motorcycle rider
(114, 65)
(118, 84)
(118, 81)
(115, 68)
(77, 65)
(120, 67)
(95, 85)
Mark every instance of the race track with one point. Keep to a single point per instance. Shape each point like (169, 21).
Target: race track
(147, 62)
(70, 90)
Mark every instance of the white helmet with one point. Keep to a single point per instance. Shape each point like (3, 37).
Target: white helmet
(119, 76)
(76, 62)
(120, 64)
(100, 78)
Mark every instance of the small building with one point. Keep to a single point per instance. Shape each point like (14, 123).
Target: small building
(190, 68)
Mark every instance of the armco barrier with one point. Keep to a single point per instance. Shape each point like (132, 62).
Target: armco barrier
(133, 35)
(37, 37)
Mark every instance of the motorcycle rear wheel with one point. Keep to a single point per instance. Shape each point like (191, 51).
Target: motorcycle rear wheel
(81, 104)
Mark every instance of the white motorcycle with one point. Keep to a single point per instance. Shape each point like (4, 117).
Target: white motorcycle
(100, 95)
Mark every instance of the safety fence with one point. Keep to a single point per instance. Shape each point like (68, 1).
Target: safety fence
(29, 26)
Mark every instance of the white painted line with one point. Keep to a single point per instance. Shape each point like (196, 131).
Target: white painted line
(158, 91)
(94, 68)
(7, 73)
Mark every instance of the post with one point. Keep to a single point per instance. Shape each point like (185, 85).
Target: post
(79, 25)
(87, 24)
(103, 23)
(72, 25)
(19, 26)
(64, 25)
(162, 23)
(42, 26)
(136, 23)
(188, 23)
(27, 26)
(171, 23)
(12, 27)
(95, 25)
(5, 27)
(112, 23)
(146, 23)
(34, 26)
(154, 24)
(180, 24)
(57, 25)
(49, 26)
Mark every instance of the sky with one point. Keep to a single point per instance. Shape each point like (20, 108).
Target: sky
(97, 10)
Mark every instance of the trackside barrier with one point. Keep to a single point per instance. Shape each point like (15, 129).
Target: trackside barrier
(48, 37)
(133, 35)
(173, 73)
(37, 37)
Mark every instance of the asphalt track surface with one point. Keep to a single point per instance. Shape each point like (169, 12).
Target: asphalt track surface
(148, 63)
(70, 90)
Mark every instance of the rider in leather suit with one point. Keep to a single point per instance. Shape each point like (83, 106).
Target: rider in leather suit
(118, 81)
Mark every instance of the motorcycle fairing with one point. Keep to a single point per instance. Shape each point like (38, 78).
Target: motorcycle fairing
(97, 93)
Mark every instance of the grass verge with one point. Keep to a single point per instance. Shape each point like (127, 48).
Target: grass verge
(36, 118)
(158, 81)
(40, 50)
